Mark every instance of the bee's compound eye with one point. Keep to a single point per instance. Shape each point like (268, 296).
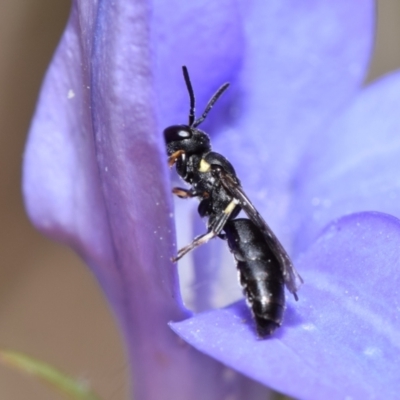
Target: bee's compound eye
(177, 132)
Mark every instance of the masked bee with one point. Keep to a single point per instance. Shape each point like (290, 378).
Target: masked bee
(263, 264)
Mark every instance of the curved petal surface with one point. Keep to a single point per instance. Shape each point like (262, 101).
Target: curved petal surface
(95, 177)
(303, 62)
(341, 340)
(205, 35)
(60, 181)
(354, 165)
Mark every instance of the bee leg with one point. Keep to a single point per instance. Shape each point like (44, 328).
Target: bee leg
(198, 241)
(214, 230)
(174, 157)
(183, 193)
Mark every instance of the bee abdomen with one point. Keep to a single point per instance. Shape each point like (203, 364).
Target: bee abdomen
(264, 292)
(260, 274)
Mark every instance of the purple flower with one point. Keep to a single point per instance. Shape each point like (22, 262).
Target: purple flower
(309, 145)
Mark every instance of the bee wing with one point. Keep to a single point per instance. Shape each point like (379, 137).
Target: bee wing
(292, 278)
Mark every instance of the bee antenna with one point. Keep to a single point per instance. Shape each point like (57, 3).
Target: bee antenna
(191, 95)
(210, 104)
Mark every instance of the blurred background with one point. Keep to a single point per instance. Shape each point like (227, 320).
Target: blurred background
(50, 304)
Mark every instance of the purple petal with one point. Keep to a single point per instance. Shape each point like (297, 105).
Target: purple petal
(60, 181)
(206, 36)
(341, 340)
(354, 166)
(95, 177)
(303, 62)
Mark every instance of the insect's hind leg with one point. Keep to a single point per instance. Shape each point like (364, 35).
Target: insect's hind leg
(215, 229)
(198, 241)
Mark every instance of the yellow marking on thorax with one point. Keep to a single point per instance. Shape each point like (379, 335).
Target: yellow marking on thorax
(204, 166)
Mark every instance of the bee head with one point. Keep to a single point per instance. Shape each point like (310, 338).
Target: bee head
(183, 137)
(188, 138)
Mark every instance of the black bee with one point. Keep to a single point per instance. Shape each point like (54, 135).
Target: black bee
(263, 263)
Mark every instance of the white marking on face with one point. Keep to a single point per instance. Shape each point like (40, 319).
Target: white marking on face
(184, 134)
